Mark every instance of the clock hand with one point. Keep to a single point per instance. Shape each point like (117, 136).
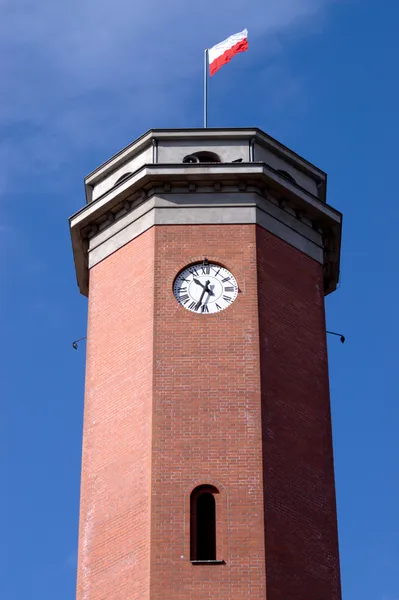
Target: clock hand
(205, 303)
(205, 287)
(199, 283)
(202, 295)
(197, 306)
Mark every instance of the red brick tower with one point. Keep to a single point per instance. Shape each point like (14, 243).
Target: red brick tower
(207, 457)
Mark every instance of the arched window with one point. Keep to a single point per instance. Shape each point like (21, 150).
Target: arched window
(286, 175)
(202, 157)
(203, 523)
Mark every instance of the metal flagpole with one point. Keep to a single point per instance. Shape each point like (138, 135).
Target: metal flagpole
(206, 88)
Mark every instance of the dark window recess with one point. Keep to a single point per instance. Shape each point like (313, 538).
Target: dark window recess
(122, 178)
(286, 175)
(190, 159)
(203, 524)
(201, 157)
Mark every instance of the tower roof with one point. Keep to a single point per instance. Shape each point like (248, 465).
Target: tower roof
(226, 167)
(244, 134)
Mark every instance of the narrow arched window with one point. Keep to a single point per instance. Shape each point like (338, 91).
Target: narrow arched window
(122, 178)
(203, 523)
(286, 175)
(202, 157)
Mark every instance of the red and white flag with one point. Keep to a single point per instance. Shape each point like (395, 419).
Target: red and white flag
(223, 52)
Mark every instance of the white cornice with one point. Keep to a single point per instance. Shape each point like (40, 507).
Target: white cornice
(259, 191)
(202, 134)
(217, 193)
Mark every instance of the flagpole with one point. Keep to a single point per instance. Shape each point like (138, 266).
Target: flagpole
(206, 88)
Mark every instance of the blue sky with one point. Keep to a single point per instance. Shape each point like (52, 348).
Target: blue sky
(83, 78)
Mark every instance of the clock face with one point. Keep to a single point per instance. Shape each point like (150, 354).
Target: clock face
(205, 288)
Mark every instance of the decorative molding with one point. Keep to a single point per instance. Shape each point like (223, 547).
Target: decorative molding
(181, 194)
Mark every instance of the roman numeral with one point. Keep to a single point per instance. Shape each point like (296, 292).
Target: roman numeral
(218, 307)
(217, 271)
(185, 298)
(227, 298)
(184, 289)
(193, 271)
(226, 279)
(183, 279)
(192, 305)
(205, 309)
(206, 269)
(229, 289)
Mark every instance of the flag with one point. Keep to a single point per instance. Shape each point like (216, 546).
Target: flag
(223, 52)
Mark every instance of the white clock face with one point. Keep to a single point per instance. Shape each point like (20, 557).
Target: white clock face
(205, 288)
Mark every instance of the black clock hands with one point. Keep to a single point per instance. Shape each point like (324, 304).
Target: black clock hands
(199, 283)
(205, 289)
(208, 289)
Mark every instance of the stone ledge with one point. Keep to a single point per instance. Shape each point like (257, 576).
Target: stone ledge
(208, 562)
(251, 209)
(222, 135)
(221, 193)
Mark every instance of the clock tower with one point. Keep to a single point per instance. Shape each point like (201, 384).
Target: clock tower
(207, 468)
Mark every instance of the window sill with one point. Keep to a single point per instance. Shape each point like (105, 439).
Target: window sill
(207, 562)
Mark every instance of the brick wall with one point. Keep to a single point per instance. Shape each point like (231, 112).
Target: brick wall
(114, 530)
(207, 420)
(175, 400)
(300, 514)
